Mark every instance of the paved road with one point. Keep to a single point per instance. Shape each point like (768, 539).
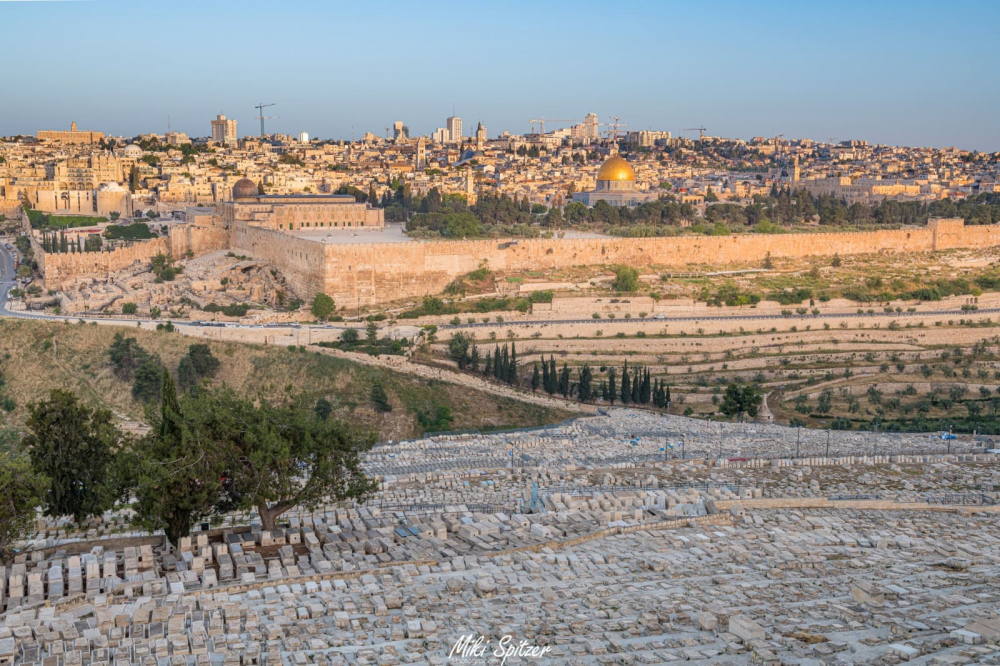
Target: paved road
(8, 281)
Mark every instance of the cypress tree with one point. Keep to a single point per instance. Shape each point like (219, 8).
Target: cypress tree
(636, 385)
(666, 396)
(545, 376)
(612, 385)
(512, 368)
(488, 366)
(504, 364)
(474, 358)
(496, 362)
(553, 375)
(584, 388)
(604, 390)
(534, 379)
(626, 392)
(645, 393)
(564, 381)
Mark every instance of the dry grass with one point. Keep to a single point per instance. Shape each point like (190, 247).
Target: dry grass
(39, 356)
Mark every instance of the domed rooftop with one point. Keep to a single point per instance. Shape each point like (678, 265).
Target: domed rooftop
(244, 189)
(616, 168)
(132, 150)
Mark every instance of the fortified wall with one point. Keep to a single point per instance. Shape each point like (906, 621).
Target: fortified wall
(376, 273)
(373, 273)
(62, 268)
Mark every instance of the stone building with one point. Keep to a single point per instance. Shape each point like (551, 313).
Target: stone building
(73, 136)
(615, 186)
(295, 212)
(224, 130)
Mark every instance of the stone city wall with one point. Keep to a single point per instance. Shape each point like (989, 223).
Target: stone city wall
(197, 239)
(59, 268)
(301, 262)
(375, 273)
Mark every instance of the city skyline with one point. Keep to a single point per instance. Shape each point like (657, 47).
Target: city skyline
(896, 74)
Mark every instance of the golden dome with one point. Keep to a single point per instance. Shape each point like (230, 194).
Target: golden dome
(616, 168)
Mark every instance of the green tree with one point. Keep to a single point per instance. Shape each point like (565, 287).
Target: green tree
(199, 363)
(126, 356)
(21, 491)
(73, 446)
(458, 349)
(564, 381)
(535, 379)
(323, 409)
(511, 377)
(626, 279)
(380, 398)
(584, 388)
(741, 399)
(281, 455)
(148, 380)
(626, 392)
(179, 464)
(322, 306)
(612, 385)
(371, 333)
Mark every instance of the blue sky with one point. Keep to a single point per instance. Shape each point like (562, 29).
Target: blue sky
(898, 72)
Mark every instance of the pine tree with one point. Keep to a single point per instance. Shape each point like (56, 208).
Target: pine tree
(612, 385)
(534, 378)
(626, 393)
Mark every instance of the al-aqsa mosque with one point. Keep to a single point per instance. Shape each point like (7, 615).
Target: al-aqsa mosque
(615, 186)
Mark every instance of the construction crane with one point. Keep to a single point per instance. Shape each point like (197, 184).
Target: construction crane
(541, 123)
(260, 109)
(701, 131)
(613, 133)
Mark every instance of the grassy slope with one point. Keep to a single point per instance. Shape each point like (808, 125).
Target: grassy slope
(39, 356)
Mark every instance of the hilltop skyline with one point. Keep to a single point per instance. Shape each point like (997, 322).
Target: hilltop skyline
(897, 74)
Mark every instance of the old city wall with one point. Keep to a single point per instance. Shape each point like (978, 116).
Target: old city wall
(300, 262)
(197, 239)
(60, 269)
(374, 273)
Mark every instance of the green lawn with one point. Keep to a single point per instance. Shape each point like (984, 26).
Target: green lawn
(40, 220)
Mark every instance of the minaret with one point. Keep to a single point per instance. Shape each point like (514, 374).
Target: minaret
(795, 169)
